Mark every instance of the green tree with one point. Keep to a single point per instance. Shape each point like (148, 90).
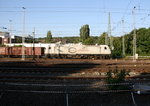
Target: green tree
(142, 42)
(18, 40)
(89, 41)
(84, 32)
(49, 37)
(117, 43)
(102, 38)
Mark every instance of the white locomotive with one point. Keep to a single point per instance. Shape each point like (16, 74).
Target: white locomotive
(79, 51)
(58, 50)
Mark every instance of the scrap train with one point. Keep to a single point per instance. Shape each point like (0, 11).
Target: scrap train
(57, 50)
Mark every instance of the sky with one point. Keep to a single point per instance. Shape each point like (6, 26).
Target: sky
(65, 17)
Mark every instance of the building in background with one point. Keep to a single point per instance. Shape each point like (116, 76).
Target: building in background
(4, 38)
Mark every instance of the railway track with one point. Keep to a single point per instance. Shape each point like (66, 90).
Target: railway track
(48, 79)
(45, 76)
(65, 77)
(74, 61)
(30, 71)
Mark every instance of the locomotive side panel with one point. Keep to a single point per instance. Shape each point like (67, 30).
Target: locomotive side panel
(104, 49)
(88, 50)
(83, 49)
(79, 51)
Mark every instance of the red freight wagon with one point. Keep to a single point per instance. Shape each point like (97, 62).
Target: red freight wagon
(29, 51)
(4, 51)
(17, 51)
(39, 51)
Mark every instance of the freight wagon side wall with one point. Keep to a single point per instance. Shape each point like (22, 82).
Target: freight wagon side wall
(17, 51)
(4, 51)
(46, 48)
(39, 51)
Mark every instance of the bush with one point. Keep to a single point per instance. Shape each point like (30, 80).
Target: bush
(17, 45)
(116, 76)
(1, 45)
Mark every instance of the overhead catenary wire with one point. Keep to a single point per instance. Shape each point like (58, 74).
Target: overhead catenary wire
(81, 8)
(73, 11)
(78, 9)
(126, 9)
(124, 14)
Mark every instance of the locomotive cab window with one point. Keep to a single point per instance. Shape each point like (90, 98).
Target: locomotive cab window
(105, 48)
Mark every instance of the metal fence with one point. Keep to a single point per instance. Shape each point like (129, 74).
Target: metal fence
(15, 94)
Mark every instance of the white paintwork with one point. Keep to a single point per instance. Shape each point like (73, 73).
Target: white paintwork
(81, 49)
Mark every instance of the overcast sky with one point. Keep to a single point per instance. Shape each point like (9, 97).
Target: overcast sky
(65, 17)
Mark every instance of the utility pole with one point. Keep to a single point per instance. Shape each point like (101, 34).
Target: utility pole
(109, 32)
(10, 33)
(23, 35)
(134, 36)
(123, 46)
(33, 45)
(106, 39)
